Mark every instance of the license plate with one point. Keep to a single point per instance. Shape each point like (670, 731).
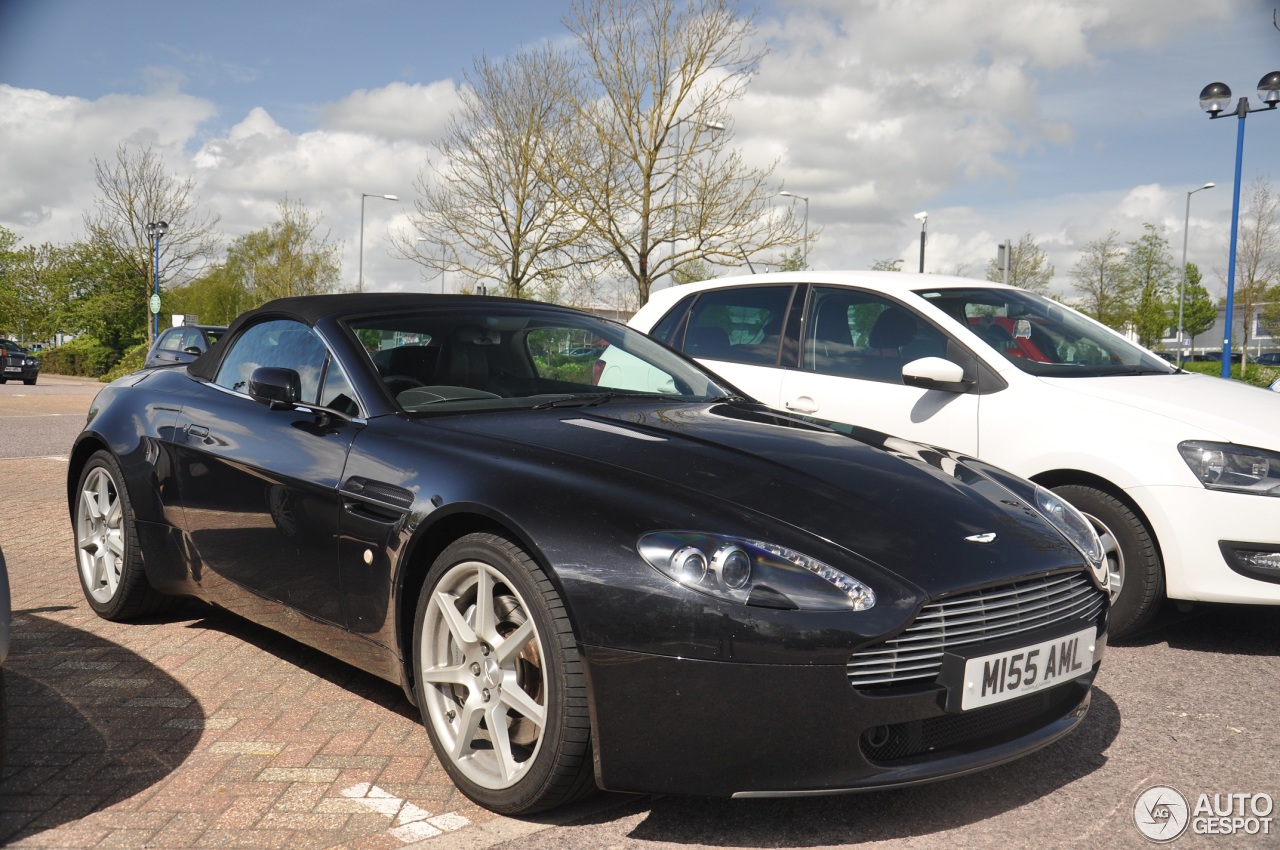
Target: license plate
(13, 368)
(1007, 675)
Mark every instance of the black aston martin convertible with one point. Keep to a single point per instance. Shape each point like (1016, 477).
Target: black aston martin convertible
(640, 581)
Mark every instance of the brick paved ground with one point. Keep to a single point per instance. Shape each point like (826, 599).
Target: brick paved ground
(197, 729)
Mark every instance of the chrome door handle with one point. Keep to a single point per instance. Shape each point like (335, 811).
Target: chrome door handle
(804, 404)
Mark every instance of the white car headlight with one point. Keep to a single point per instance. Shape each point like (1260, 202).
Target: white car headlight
(752, 572)
(1238, 469)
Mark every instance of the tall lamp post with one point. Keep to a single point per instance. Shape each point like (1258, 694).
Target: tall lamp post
(155, 230)
(1214, 98)
(715, 127)
(442, 269)
(787, 194)
(923, 218)
(363, 195)
(1182, 285)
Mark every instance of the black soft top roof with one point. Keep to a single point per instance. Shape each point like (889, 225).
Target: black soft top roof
(311, 309)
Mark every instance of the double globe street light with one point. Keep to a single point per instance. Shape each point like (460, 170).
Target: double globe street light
(155, 230)
(1214, 98)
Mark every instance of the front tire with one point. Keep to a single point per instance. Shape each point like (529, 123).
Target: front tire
(107, 550)
(499, 680)
(31, 382)
(1137, 574)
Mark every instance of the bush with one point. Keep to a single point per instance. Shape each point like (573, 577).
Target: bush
(1258, 376)
(131, 362)
(82, 357)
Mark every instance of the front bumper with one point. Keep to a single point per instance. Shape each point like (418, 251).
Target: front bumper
(20, 373)
(682, 726)
(1191, 522)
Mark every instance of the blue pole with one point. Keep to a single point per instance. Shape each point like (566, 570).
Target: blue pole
(155, 316)
(1229, 318)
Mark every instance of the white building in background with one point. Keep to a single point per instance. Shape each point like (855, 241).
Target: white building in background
(1260, 339)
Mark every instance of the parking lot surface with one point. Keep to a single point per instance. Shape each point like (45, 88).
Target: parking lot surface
(199, 729)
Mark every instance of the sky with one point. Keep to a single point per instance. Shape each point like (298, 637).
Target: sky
(1063, 118)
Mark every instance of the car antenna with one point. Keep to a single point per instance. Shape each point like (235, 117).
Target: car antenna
(748, 259)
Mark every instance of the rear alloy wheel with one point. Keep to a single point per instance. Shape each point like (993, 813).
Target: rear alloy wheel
(1136, 573)
(107, 549)
(499, 680)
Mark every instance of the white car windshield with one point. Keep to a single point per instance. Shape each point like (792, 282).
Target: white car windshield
(1043, 337)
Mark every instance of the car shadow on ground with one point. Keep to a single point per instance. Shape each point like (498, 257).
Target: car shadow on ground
(90, 723)
(1222, 629)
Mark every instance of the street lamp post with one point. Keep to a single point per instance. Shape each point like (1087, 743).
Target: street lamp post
(714, 126)
(923, 218)
(442, 268)
(1182, 285)
(155, 230)
(1214, 98)
(363, 195)
(787, 194)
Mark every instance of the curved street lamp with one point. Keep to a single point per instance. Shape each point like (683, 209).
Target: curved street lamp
(363, 195)
(713, 126)
(1182, 284)
(155, 230)
(1214, 98)
(787, 194)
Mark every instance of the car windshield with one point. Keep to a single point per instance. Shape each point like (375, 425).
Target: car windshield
(1043, 337)
(510, 357)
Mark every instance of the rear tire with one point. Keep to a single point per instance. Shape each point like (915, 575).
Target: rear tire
(494, 652)
(31, 382)
(107, 550)
(1137, 575)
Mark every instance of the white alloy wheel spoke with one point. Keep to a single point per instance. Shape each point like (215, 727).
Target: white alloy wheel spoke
(509, 647)
(468, 727)
(496, 720)
(485, 615)
(513, 696)
(458, 675)
(459, 628)
(114, 540)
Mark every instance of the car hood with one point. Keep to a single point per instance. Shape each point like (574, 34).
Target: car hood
(887, 500)
(1211, 408)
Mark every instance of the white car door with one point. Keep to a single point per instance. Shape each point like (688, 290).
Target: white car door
(854, 347)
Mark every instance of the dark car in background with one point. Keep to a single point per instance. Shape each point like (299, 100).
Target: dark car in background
(182, 344)
(582, 585)
(1270, 358)
(17, 363)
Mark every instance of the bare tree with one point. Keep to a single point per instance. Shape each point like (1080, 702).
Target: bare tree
(1257, 257)
(135, 190)
(1029, 267)
(651, 173)
(489, 208)
(1100, 276)
(1151, 275)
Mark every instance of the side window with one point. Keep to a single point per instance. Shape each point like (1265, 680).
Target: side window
(283, 343)
(337, 390)
(171, 340)
(742, 324)
(855, 334)
(669, 327)
(563, 354)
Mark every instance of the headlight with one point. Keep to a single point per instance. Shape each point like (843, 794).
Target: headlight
(1239, 469)
(752, 572)
(1073, 526)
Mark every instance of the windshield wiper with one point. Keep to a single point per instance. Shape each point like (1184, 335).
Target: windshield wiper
(592, 399)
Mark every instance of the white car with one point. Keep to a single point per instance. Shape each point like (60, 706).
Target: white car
(1179, 472)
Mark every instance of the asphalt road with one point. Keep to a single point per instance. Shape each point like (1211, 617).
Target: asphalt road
(1192, 704)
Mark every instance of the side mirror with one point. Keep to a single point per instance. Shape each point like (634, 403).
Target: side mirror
(934, 373)
(277, 388)
(193, 349)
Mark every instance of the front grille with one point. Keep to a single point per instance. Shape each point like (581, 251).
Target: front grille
(941, 736)
(915, 655)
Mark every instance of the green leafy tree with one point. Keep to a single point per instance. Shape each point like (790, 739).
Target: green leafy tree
(288, 257)
(214, 298)
(1029, 267)
(1151, 275)
(104, 302)
(39, 291)
(1199, 310)
(694, 271)
(793, 261)
(1099, 276)
(887, 266)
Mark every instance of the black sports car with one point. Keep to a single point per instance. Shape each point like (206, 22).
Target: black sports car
(655, 586)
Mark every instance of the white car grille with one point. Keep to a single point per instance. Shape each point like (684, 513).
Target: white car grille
(984, 615)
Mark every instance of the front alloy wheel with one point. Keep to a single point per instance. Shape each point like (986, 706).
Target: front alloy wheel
(495, 685)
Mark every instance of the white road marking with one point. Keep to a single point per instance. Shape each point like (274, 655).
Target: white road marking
(410, 823)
